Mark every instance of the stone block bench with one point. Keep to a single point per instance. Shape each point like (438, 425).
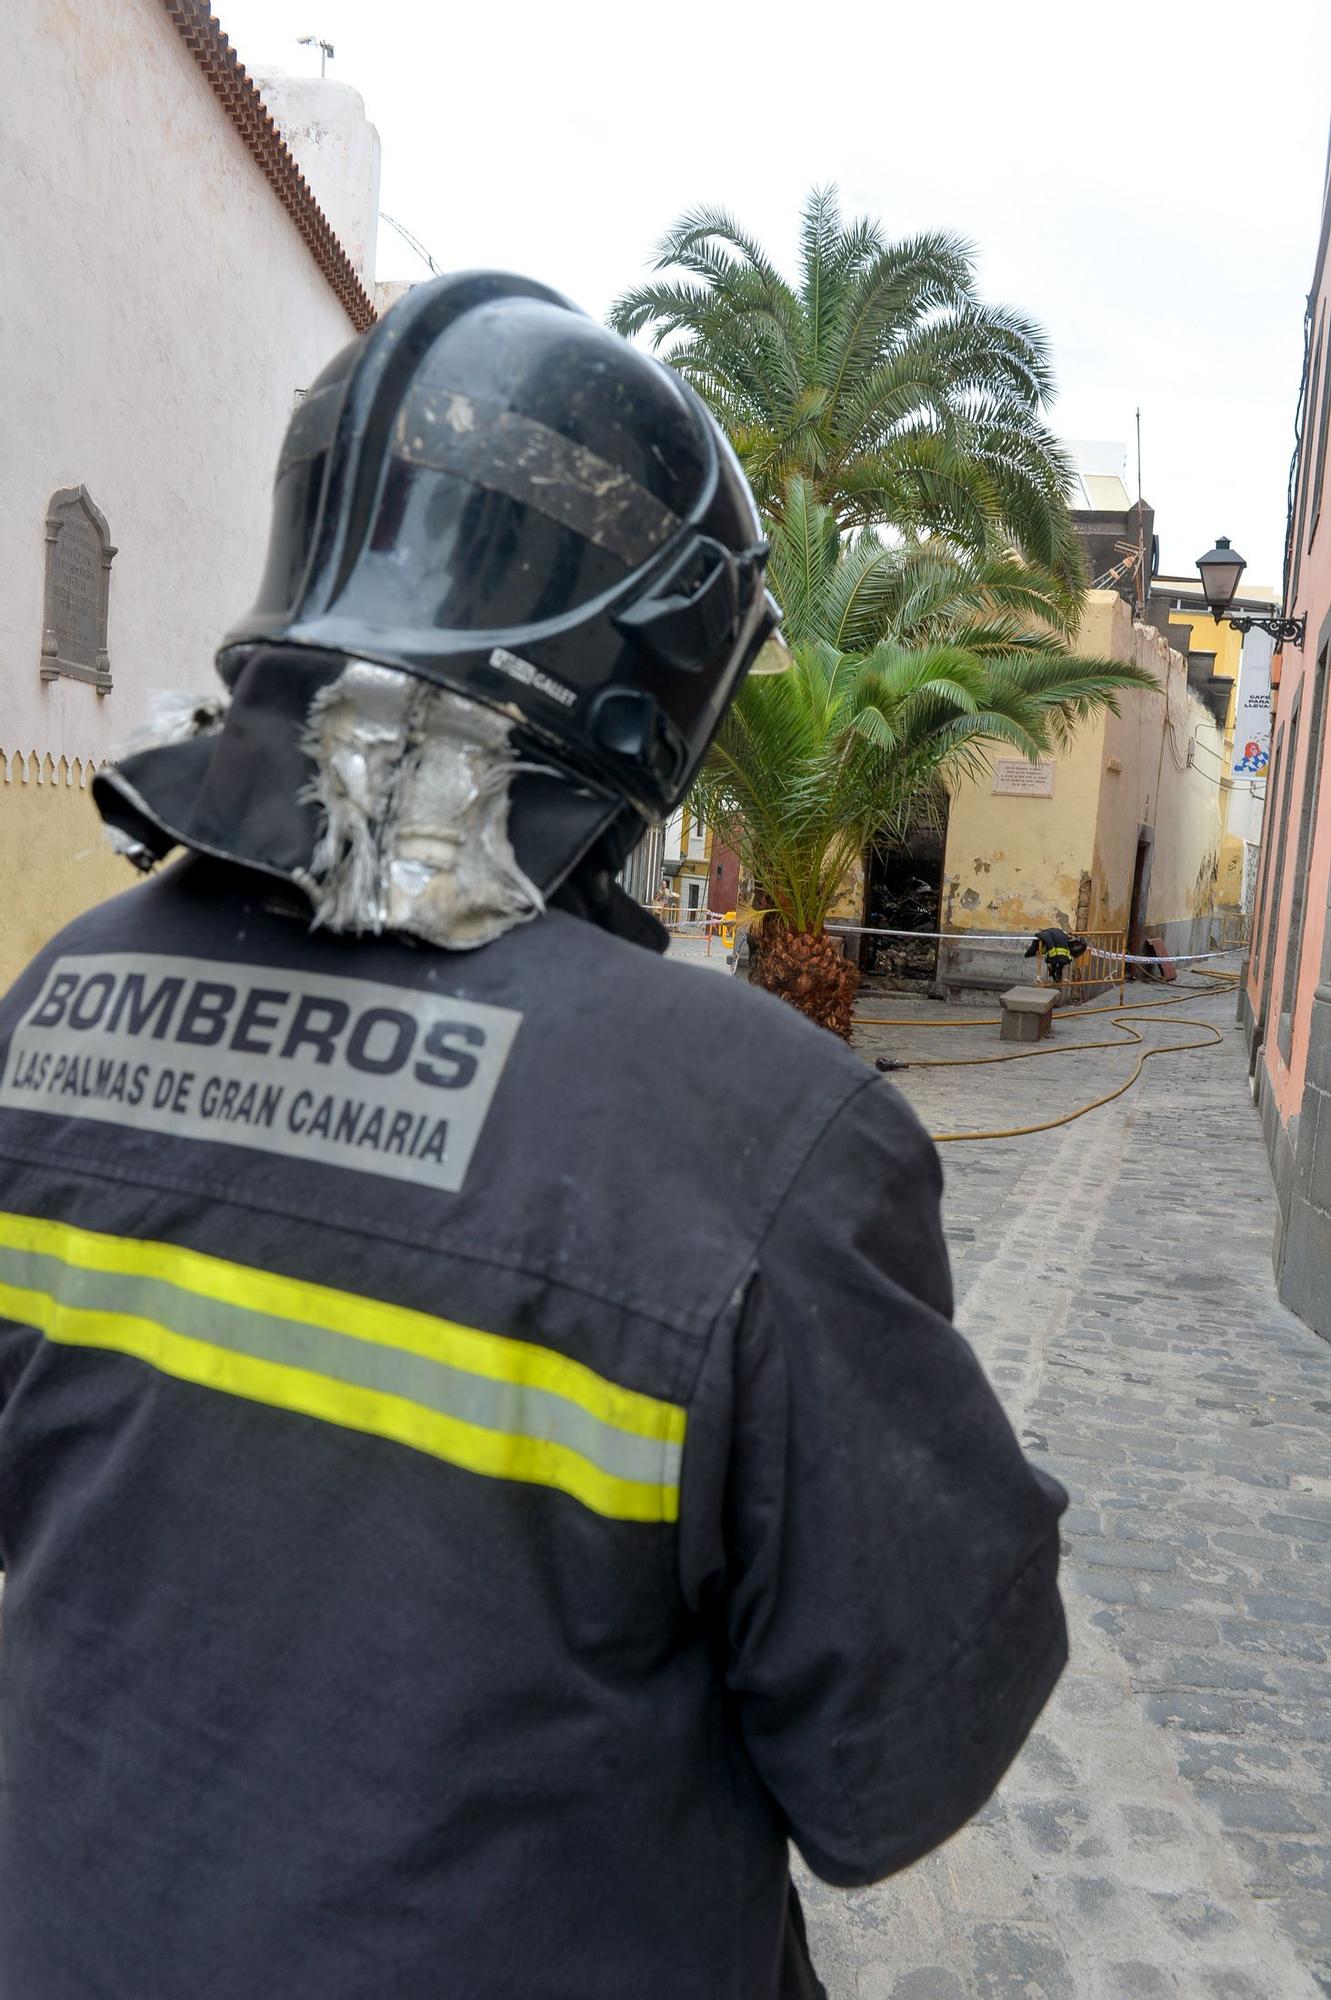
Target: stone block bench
(1028, 1013)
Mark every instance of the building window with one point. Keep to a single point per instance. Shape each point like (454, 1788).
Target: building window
(641, 874)
(1319, 467)
(1312, 780)
(1305, 451)
(1288, 743)
(1274, 775)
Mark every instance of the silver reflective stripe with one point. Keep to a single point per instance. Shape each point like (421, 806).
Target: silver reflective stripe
(515, 1408)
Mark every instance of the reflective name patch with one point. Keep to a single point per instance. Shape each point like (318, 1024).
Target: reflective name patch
(343, 1072)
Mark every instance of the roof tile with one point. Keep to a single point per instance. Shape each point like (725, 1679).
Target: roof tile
(239, 97)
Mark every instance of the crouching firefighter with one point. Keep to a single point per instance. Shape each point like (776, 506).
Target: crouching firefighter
(422, 1578)
(1058, 949)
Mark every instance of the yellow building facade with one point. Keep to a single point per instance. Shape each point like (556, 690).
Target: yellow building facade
(1122, 830)
(687, 867)
(1200, 633)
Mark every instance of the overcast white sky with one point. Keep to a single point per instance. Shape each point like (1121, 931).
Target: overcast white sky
(1145, 180)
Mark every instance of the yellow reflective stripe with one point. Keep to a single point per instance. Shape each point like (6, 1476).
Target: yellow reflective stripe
(496, 1356)
(496, 1454)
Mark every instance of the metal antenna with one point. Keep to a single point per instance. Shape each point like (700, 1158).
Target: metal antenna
(414, 241)
(317, 42)
(1141, 537)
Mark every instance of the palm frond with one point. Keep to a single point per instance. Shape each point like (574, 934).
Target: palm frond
(880, 376)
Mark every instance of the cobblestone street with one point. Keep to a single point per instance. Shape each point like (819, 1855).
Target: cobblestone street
(1168, 1830)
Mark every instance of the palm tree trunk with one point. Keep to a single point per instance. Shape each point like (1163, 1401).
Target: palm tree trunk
(808, 969)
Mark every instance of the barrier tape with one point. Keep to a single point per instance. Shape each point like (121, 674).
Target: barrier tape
(961, 937)
(1173, 957)
(704, 919)
(1024, 937)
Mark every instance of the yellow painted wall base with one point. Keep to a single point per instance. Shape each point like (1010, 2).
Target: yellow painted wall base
(54, 859)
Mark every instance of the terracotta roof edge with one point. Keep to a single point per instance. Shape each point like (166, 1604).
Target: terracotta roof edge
(241, 100)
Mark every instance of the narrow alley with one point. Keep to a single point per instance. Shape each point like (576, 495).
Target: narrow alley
(1167, 1831)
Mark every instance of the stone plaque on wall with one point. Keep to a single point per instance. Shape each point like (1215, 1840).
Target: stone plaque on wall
(78, 589)
(1023, 779)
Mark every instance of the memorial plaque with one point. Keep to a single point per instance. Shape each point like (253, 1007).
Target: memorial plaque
(1022, 779)
(78, 590)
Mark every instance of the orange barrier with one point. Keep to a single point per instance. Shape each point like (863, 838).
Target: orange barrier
(1100, 966)
(704, 924)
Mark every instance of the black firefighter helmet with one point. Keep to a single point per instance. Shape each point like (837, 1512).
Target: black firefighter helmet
(493, 492)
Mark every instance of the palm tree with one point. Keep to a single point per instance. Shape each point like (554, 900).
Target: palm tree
(908, 662)
(881, 378)
(877, 392)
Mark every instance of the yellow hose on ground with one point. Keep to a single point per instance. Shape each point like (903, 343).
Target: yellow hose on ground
(1223, 979)
(1024, 1055)
(1123, 1016)
(1048, 1124)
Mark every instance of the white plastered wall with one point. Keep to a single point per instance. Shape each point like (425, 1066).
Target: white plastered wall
(158, 315)
(337, 150)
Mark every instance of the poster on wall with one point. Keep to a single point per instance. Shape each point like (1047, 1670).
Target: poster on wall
(1252, 739)
(1252, 715)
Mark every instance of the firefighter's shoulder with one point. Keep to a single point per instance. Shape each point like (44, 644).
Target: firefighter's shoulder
(703, 1036)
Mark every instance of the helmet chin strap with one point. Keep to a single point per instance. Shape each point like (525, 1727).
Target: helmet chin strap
(591, 890)
(618, 841)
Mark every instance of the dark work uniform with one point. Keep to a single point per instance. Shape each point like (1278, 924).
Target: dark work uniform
(483, 1460)
(1059, 950)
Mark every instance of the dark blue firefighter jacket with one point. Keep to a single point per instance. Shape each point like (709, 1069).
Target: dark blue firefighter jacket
(484, 1464)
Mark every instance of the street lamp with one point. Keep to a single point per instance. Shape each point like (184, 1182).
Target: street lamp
(1220, 569)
